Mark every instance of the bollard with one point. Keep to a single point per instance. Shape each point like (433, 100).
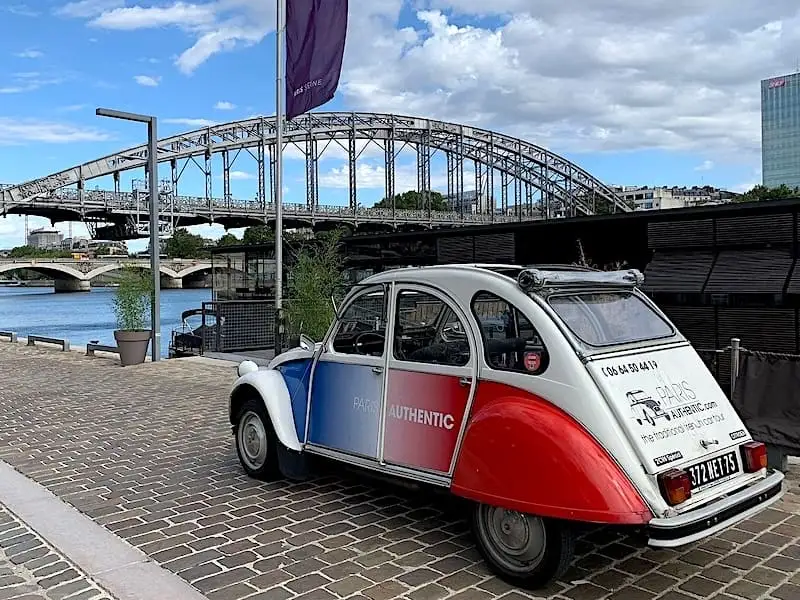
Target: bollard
(735, 342)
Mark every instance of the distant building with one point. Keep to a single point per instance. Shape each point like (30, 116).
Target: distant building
(780, 131)
(45, 238)
(84, 244)
(662, 198)
(470, 202)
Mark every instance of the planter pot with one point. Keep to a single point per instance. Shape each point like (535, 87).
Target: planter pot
(132, 346)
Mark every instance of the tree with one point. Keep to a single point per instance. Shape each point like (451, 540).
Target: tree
(316, 277)
(228, 240)
(760, 192)
(32, 252)
(183, 244)
(258, 234)
(413, 200)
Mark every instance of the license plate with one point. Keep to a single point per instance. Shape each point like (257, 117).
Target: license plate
(713, 470)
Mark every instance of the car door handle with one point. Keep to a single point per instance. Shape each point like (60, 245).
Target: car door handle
(377, 370)
(465, 380)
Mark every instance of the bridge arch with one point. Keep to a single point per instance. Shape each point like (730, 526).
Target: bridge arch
(116, 266)
(44, 268)
(557, 179)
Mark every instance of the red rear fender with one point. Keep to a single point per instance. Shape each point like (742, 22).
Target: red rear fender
(523, 453)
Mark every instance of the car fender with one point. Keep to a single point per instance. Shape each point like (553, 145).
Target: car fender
(523, 453)
(270, 387)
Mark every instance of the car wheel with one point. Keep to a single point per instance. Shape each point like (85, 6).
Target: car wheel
(256, 443)
(525, 550)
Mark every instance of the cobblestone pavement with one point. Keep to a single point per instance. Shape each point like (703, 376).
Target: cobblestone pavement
(147, 452)
(32, 570)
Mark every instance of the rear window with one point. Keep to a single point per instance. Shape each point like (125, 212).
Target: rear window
(609, 318)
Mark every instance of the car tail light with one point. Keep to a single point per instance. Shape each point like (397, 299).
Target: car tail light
(676, 486)
(754, 456)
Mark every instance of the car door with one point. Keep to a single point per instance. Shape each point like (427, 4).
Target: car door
(431, 379)
(348, 378)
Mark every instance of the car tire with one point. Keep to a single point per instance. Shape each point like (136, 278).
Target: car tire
(524, 550)
(256, 443)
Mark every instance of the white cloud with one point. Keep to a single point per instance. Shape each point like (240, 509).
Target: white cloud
(241, 175)
(29, 54)
(218, 26)
(196, 123)
(223, 105)
(147, 80)
(137, 17)
(612, 75)
(20, 10)
(706, 165)
(85, 9)
(28, 81)
(18, 131)
(575, 76)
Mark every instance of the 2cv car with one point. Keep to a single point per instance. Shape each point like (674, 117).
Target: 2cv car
(511, 387)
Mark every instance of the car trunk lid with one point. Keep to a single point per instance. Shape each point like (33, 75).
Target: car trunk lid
(673, 410)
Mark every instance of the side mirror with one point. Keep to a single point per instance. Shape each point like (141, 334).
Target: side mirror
(306, 343)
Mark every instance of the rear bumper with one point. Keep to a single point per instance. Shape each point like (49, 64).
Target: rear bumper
(712, 518)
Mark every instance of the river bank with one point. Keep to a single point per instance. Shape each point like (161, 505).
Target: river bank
(84, 317)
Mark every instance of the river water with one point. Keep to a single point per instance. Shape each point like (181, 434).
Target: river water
(83, 317)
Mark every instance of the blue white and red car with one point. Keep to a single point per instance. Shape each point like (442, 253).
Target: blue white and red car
(547, 397)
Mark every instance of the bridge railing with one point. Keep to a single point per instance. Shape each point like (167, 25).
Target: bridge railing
(129, 202)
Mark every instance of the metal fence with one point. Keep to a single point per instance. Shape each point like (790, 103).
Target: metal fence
(247, 325)
(238, 325)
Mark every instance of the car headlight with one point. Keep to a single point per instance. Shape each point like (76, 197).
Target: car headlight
(245, 367)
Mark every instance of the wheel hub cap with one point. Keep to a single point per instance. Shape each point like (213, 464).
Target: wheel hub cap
(516, 540)
(253, 441)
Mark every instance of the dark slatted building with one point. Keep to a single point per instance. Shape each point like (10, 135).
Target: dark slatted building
(718, 271)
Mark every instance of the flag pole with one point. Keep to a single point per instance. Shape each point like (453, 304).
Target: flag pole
(280, 83)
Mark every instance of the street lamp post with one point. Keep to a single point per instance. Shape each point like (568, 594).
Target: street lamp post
(155, 246)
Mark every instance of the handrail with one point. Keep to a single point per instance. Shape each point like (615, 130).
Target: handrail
(92, 348)
(32, 339)
(9, 334)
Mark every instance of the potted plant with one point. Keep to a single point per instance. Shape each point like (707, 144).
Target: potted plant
(132, 302)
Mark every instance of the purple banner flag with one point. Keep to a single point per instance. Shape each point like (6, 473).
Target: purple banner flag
(315, 40)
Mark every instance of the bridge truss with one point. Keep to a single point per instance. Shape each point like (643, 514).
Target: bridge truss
(534, 183)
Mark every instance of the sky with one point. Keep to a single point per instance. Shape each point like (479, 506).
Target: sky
(662, 92)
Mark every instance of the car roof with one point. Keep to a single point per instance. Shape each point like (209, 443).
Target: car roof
(505, 271)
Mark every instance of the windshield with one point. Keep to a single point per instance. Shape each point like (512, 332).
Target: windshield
(609, 318)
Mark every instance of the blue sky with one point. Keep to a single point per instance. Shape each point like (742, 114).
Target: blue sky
(662, 99)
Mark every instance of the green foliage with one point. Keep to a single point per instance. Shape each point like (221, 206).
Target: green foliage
(316, 276)
(413, 200)
(228, 240)
(760, 192)
(183, 244)
(256, 235)
(31, 252)
(133, 299)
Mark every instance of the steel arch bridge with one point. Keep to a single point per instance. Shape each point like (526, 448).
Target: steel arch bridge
(534, 182)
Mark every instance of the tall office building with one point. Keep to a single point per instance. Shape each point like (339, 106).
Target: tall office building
(780, 131)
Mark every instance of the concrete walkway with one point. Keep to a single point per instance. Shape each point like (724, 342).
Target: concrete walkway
(138, 466)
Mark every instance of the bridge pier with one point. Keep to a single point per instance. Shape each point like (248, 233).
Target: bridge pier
(70, 285)
(170, 283)
(194, 283)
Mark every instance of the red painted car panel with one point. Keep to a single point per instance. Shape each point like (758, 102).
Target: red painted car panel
(423, 418)
(523, 453)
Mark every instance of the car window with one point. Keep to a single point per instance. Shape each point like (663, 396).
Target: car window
(510, 341)
(609, 318)
(362, 327)
(429, 331)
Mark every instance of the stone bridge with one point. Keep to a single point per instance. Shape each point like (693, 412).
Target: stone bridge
(74, 275)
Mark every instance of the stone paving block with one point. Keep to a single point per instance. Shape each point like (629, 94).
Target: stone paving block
(36, 570)
(154, 462)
